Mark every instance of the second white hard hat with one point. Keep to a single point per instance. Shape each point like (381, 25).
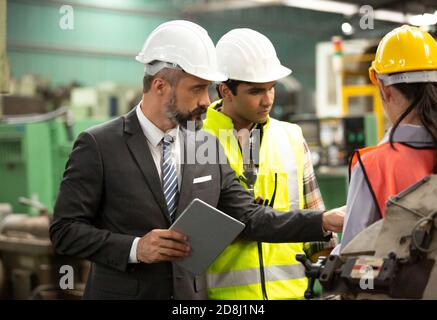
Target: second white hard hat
(185, 44)
(247, 55)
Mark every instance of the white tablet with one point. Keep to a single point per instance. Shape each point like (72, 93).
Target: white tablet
(209, 232)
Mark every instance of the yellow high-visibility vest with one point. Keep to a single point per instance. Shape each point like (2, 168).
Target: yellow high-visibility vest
(254, 270)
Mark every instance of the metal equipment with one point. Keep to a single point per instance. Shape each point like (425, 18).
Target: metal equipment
(332, 142)
(392, 259)
(33, 153)
(29, 269)
(105, 100)
(342, 81)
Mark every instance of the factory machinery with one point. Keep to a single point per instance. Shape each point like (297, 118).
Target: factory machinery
(33, 152)
(29, 269)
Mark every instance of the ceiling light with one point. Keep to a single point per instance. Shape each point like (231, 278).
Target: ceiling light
(323, 5)
(426, 19)
(347, 28)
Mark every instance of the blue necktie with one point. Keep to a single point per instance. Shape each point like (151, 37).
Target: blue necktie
(169, 177)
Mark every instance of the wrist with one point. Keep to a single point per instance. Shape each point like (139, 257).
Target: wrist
(326, 232)
(133, 255)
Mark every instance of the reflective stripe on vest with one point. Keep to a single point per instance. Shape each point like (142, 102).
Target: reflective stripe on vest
(281, 153)
(251, 276)
(388, 171)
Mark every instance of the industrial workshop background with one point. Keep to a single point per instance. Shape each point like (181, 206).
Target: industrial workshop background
(68, 65)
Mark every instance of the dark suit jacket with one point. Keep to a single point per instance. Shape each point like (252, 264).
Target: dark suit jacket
(111, 193)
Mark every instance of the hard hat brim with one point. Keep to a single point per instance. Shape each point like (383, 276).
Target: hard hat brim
(275, 74)
(211, 76)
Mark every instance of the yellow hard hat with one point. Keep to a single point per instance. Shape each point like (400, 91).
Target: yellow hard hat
(405, 49)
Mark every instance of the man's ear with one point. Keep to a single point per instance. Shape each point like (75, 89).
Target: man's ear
(159, 86)
(225, 91)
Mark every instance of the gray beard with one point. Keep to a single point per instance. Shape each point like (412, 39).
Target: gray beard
(185, 120)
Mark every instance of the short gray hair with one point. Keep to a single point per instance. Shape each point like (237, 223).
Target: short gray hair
(172, 76)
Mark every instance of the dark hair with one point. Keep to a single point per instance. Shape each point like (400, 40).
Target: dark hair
(147, 82)
(423, 97)
(170, 75)
(232, 85)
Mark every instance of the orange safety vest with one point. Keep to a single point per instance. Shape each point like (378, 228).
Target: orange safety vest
(388, 171)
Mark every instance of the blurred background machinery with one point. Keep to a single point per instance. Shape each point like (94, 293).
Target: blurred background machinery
(35, 149)
(33, 153)
(38, 125)
(348, 113)
(332, 142)
(29, 269)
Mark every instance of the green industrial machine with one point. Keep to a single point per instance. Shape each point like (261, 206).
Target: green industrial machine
(33, 153)
(353, 132)
(333, 177)
(332, 142)
(33, 157)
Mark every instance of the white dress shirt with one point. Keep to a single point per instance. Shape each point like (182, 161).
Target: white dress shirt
(153, 136)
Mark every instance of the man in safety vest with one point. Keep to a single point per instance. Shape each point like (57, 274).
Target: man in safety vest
(272, 161)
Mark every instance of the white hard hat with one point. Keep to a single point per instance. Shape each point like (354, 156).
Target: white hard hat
(185, 44)
(247, 55)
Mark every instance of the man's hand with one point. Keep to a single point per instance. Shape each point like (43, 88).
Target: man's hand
(333, 219)
(162, 245)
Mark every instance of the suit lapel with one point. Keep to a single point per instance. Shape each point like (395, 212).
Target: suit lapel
(139, 148)
(188, 147)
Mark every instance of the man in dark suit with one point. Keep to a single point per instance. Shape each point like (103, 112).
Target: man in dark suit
(128, 179)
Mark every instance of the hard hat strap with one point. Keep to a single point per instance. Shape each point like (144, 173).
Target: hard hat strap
(155, 66)
(408, 77)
